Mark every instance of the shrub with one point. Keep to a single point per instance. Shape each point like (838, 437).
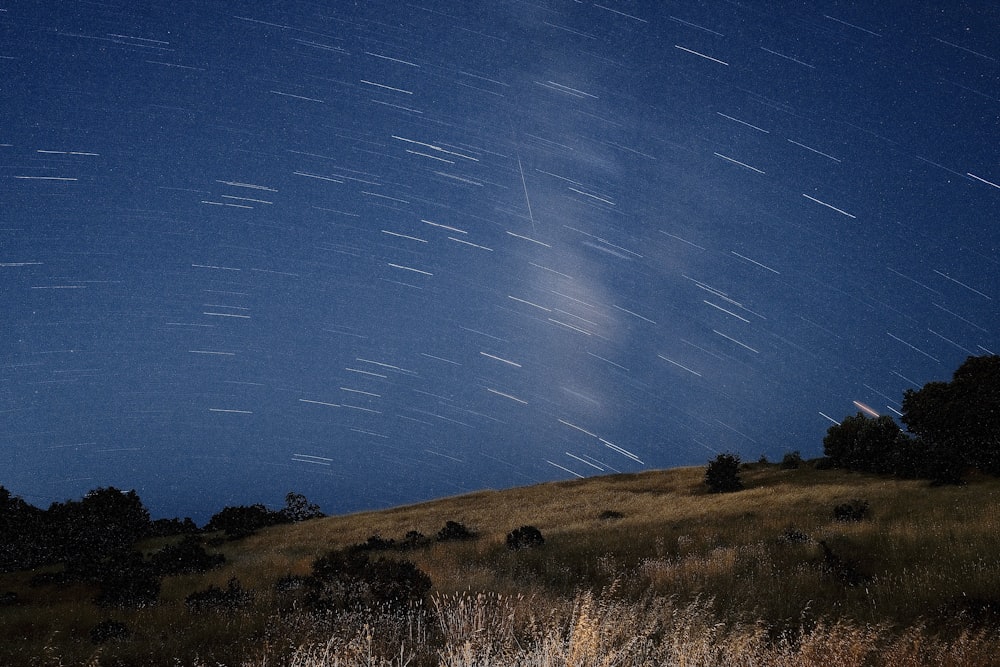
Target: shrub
(610, 515)
(723, 474)
(350, 580)
(794, 536)
(214, 598)
(108, 630)
(791, 460)
(376, 543)
(525, 537)
(855, 510)
(453, 531)
(126, 581)
(186, 557)
(243, 520)
(414, 539)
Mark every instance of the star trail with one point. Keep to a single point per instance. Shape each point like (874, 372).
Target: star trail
(382, 252)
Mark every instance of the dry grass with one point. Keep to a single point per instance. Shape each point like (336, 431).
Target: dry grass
(489, 630)
(683, 577)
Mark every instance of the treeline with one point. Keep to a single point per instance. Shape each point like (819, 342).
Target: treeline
(952, 429)
(94, 540)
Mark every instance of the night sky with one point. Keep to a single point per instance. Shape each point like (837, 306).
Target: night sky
(381, 252)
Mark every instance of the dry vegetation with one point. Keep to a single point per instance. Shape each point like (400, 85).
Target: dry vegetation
(762, 576)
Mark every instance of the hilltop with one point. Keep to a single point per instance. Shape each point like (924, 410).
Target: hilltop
(801, 556)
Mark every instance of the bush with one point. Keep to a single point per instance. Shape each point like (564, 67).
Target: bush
(186, 557)
(350, 580)
(214, 598)
(791, 460)
(525, 537)
(855, 510)
(414, 539)
(243, 520)
(453, 531)
(610, 515)
(723, 474)
(376, 543)
(108, 630)
(793, 535)
(126, 582)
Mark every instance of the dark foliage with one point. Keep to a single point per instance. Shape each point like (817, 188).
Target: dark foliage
(956, 426)
(240, 521)
(297, 508)
(109, 630)
(126, 581)
(855, 510)
(454, 531)
(723, 474)
(349, 580)
(376, 543)
(525, 537)
(794, 536)
(20, 526)
(171, 527)
(958, 422)
(96, 533)
(414, 539)
(870, 444)
(213, 598)
(186, 557)
(610, 515)
(791, 460)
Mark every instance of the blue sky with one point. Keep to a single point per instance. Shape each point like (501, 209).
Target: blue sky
(383, 252)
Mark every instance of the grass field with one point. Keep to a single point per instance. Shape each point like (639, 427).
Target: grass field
(639, 569)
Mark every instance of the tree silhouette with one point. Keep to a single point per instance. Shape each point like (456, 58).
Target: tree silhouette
(869, 444)
(959, 421)
(297, 508)
(723, 474)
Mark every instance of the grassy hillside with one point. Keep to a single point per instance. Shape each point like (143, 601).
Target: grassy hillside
(641, 567)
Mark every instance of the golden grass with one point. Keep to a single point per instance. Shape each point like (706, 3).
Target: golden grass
(591, 631)
(683, 577)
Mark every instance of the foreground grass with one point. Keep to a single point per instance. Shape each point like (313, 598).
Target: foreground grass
(763, 576)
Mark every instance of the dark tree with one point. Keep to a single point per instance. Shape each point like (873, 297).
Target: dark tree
(186, 557)
(100, 528)
(297, 508)
(723, 474)
(868, 444)
(959, 421)
(21, 534)
(243, 520)
(171, 527)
